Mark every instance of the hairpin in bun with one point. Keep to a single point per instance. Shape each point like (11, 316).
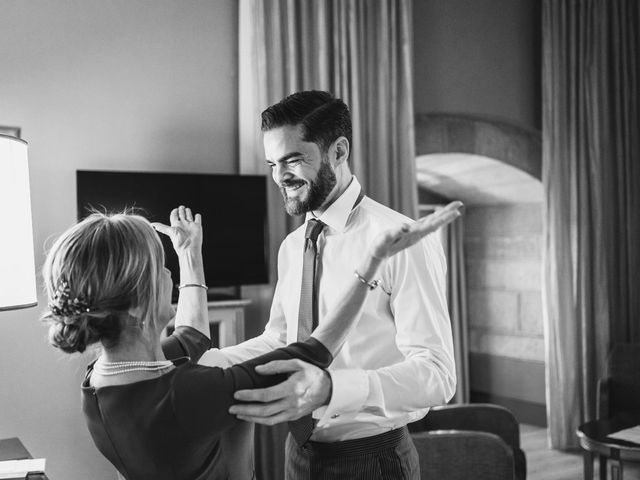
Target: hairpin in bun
(63, 306)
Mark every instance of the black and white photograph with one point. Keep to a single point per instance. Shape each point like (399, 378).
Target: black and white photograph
(320, 239)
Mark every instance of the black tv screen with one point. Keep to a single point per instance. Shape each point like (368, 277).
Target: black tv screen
(233, 208)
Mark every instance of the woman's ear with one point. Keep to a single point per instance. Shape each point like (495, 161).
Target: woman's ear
(135, 318)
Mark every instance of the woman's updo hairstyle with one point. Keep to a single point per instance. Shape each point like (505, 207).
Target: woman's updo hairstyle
(95, 273)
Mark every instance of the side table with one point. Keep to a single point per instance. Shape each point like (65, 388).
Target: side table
(228, 316)
(595, 442)
(13, 449)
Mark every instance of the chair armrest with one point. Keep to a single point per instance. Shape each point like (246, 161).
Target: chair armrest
(483, 417)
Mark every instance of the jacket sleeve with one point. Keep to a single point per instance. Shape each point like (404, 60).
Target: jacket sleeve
(202, 395)
(185, 342)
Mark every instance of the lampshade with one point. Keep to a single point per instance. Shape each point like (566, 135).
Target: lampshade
(17, 266)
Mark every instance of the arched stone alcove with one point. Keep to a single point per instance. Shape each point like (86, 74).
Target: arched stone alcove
(495, 168)
(479, 160)
(439, 133)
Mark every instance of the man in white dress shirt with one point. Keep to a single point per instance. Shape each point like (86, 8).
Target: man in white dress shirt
(399, 359)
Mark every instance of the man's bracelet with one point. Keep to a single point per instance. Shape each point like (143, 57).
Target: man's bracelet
(199, 285)
(369, 283)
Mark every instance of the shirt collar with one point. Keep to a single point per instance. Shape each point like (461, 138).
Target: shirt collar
(337, 214)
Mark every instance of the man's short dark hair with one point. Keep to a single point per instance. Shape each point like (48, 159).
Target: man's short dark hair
(322, 117)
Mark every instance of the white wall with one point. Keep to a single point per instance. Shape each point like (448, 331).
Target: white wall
(95, 84)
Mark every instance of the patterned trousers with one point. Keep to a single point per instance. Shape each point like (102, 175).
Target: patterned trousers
(390, 455)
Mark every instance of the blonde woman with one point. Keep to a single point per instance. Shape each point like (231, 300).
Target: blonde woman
(151, 410)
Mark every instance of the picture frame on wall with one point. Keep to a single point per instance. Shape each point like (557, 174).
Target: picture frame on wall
(11, 131)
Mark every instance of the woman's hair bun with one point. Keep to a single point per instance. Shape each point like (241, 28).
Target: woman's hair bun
(70, 335)
(75, 334)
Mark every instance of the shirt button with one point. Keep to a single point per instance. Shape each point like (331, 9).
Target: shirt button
(335, 415)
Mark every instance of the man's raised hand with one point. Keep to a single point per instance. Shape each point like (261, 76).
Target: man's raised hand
(392, 241)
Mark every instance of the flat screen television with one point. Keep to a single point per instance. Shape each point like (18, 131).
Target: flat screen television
(233, 208)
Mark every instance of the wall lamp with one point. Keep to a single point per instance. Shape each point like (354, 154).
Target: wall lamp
(17, 265)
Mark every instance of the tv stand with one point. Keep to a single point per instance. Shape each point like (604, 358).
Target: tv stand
(228, 316)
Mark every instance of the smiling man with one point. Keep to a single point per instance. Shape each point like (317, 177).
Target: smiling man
(305, 182)
(349, 421)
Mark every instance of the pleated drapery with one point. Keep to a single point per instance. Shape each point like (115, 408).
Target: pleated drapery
(359, 50)
(591, 178)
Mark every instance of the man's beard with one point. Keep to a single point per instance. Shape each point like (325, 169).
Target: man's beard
(319, 190)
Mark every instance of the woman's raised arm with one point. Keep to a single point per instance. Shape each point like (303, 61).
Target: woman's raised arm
(185, 233)
(340, 320)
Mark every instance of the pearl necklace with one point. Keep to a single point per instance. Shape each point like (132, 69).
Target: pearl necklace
(116, 368)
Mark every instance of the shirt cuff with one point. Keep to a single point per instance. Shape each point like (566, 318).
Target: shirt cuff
(214, 358)
(349, 391)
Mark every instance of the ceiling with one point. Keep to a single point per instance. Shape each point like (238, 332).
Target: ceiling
(476, 180)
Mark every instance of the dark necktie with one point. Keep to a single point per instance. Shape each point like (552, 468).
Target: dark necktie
(302, 428)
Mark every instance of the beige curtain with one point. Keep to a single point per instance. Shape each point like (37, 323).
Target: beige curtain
(359, 50)
(591, 177)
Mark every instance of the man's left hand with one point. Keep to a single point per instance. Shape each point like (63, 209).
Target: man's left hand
(308, 388)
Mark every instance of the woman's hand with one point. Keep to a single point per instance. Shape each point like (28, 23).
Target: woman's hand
(185, 231)
(396, 239)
